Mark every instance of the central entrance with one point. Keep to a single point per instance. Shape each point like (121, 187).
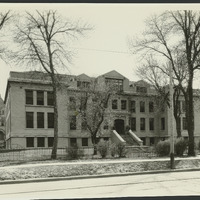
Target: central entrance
(119, 126)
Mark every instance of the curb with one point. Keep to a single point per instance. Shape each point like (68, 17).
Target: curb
(36, 180)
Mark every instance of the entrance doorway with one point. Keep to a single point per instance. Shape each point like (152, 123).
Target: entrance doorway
(119, 126)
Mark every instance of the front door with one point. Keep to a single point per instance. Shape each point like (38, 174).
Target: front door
(119, 126)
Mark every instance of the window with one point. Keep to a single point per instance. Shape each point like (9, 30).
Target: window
(183, 106)
(151, 124)
(29, 97)
(163, 123)
(141, 89)
(50, 141)
(132, 106)
(50, 120)
(73, 142)
(50, 100)
(116, 83)
(142, 124)
(29, 119)
(72, 103)
(123, 104)
(40, 142)
(83, 125)
(72, 122)
(133, 124)
(83, 84)
(40, 120)
(151, 106)
(114, 104)
(84, 142)
(142, 106)
(30, 142)
(40, 98)
(152, 141)
(184, 123)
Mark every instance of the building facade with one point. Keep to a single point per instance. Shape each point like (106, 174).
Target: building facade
(29, 112)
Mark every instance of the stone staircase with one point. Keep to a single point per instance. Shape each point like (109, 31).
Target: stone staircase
(129, 140)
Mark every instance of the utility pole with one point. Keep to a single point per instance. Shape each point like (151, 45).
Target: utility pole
(172, 165)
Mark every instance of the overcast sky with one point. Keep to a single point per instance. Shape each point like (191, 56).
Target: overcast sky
(105, 48)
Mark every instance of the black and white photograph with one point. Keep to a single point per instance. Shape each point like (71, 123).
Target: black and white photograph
(99, 100)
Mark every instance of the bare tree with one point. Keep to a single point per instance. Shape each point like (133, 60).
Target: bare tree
(94, 107)
(43, 40)
(159, 79)
(167, 34)
(4, 19)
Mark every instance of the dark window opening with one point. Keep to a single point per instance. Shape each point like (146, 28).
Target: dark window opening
(50, 120)
(123, 104)
(142, 106)
(141, 89)
(151, 124)
(132, 106)
(114, 104)
(29, 97)
(73, 142)
(133, 124)
(142, 124)
(151, 106)
(73, 123)
(40, 97)
(40, 142)
(40, 120)
(84, 142)
(72, 103)
(50, 100)
(50, 141)
(30, 142)
(29, 119)
(115, 83)
(152, 141)
(163, 123)
(83, 84)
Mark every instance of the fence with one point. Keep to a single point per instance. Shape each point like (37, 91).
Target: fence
(45, 153)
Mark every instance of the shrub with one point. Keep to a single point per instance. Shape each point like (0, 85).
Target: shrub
(102, 147)
(121, 150)
(163, 148)
(180, 146)
(73, 152)
(113, 149)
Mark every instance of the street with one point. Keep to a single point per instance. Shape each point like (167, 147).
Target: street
(164, 184)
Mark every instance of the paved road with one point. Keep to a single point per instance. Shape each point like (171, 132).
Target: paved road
(165, 184)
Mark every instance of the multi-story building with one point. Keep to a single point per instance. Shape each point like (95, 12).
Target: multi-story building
(29, 111)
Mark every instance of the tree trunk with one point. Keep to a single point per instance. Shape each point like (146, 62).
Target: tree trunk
(94, 142)
(190, 119)
(178, 126)
(55, 143)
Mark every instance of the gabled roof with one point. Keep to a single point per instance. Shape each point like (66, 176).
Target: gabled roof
(114, 74)
(142, 83)
(83, 77)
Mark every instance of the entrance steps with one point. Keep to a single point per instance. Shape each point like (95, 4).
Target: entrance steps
(129, 139)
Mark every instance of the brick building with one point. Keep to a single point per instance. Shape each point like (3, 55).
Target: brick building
(29, 111)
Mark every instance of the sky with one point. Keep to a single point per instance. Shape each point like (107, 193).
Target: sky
(105, 48)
